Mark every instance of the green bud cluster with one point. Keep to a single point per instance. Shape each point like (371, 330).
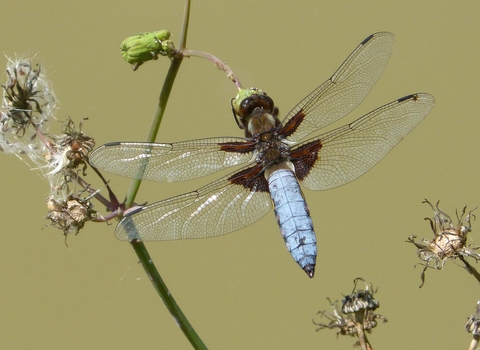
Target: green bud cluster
(144, 47)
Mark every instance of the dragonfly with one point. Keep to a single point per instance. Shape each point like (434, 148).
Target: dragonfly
(275, 158)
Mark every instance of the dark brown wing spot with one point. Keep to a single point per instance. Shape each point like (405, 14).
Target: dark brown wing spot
(251, 178)
(305, 157)
(291, 126)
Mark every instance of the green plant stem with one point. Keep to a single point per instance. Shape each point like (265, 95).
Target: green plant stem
(138, 246)
(163, 98)
(167, 298)
(157, 119)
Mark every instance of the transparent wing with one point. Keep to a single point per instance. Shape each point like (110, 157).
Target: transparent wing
(348, 152)
(213, 210)
(347, 87)
(178, 161)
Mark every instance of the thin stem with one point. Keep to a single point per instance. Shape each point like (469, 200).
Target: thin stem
(218, 63)
(157, 119)
(138, 246)
(359, 325)
(472, 270)
(186, 21)
(474, 342)
(47, 142)
(162, 101)
(164, 293)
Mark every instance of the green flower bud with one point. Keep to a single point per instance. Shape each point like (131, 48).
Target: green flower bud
(146, 46)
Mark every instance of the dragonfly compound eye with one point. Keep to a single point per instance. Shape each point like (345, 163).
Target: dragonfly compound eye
(249, 104)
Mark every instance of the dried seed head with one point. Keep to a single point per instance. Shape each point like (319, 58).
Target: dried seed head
(360, 299)
(27, 99)
(357, 310)
(27, 105)
(446, 244)
(72, 148)
(449, 241)
(343, 323)
(70, 215)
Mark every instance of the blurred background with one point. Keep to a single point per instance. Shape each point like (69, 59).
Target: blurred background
(243, 290)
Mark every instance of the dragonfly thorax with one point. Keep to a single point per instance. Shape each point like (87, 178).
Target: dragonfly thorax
(271, 151)
(261, 123)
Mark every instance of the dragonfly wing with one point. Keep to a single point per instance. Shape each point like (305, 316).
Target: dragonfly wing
(346, 89)
(216, 209)
(178, 161)
(342, 155)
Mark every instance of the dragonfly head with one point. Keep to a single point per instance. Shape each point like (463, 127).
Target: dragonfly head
(252, 104)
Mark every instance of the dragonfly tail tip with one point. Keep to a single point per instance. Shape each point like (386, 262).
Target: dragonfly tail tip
(310, 270)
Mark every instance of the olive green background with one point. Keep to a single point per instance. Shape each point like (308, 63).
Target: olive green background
(243, 290)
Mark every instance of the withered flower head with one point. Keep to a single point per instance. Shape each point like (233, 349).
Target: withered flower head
(360, 299)
(72, 148)
(68, 211)
(343, 323)
(70, 215)
(449, 241)
(27, 97)
(28, 104)
(355, 315)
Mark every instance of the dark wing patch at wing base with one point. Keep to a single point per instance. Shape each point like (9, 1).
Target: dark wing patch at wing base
(292, 124)
(251, 178)
(305, 157)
